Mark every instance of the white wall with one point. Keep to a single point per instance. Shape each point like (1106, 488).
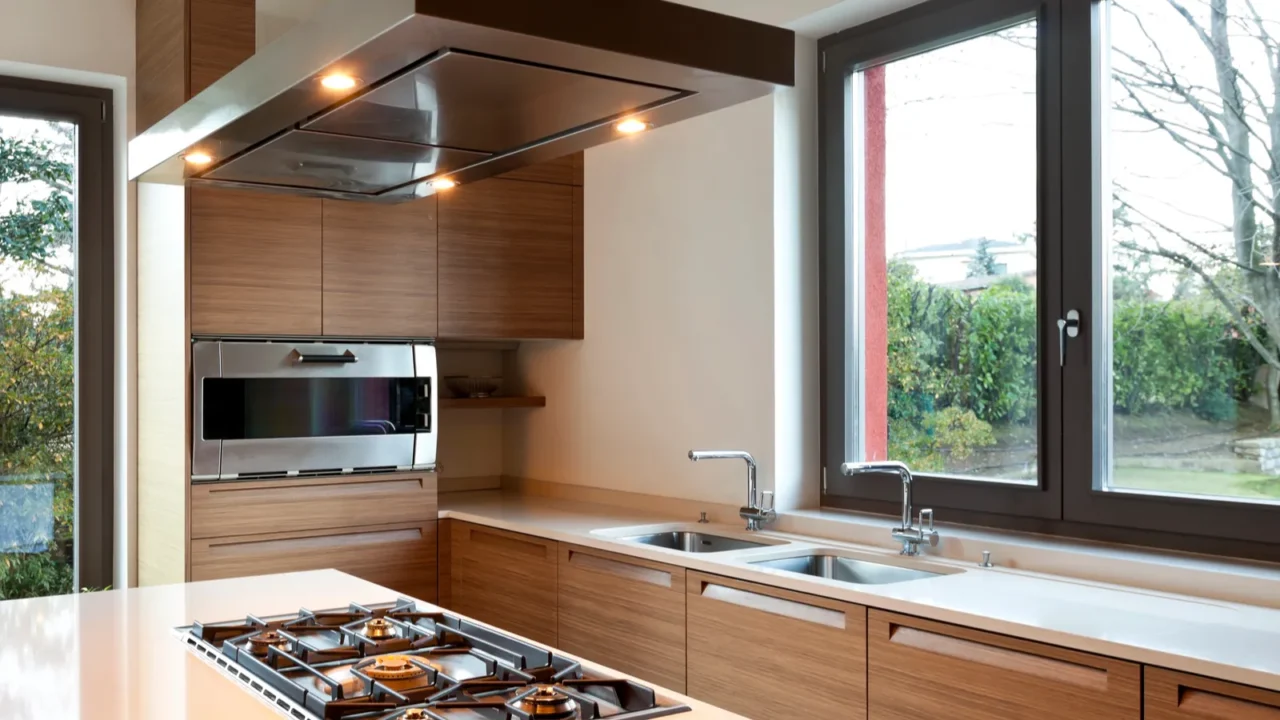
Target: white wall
(91, 42)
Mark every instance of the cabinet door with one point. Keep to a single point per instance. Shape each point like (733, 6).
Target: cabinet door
(255, 263)
(380, 269)
(920, 668)
(767, 653)
(625, 613)
(505, 579)
(1177, 696)
(223, 35)
(400, 557)
(506, 260)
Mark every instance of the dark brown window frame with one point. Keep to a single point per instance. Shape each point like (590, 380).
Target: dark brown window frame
(91, 110)
(1064, 502)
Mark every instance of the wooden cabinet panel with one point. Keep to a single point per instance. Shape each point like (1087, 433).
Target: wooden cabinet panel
(401, 557)
(767, 653)
(255, 263)
(380, 269)
(505, 579)
(292, 504)
(625, 613)
(561, 171)
(506, 260)
(161, 27)
(919, 668)
(222, 37)
(1177, 696)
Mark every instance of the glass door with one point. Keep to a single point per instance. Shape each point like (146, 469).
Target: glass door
(55, 467)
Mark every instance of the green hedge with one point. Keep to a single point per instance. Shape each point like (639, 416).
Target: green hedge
(977, 352)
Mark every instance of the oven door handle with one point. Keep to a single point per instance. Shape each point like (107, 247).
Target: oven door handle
(346, 357)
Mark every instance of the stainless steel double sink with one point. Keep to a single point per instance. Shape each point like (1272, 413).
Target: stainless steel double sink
(817, 564)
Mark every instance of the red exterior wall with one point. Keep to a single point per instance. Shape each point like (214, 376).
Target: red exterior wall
(876, 330)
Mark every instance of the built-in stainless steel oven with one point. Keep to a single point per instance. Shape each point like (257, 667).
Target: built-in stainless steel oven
(266, 409)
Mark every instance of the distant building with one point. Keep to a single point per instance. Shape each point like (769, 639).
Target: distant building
(948, 263)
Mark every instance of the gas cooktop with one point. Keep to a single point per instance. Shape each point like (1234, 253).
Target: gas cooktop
(393, 662)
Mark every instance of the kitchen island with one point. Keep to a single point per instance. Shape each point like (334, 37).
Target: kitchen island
(116, 655)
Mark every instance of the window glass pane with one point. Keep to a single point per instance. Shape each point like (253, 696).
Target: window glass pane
(1192, 251)
(946, 157)
(37, 357)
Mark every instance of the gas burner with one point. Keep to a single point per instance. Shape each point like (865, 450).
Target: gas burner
(261, 644)
(379, 628)
(402, 661)
(392, 667)
(547, 702)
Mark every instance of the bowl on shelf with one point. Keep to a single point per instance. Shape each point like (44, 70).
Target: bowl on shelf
(473, 387)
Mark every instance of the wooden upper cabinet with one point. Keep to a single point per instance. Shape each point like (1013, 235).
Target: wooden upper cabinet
(920, 668)
(507, 260)
(1177, 696)
(624, 613)
(767, 653)
(567, 170)
(380, 269)
(255, 263)
(184, 46)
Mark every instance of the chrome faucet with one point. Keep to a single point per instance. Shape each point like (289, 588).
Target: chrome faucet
(910, 537)
(759, 508)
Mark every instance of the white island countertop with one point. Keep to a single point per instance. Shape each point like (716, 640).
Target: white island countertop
(1223, 640)
(115, 656)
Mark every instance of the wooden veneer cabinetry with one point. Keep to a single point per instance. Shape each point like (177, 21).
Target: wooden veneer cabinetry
(623, 612)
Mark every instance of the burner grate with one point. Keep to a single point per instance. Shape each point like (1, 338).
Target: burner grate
(395, 662)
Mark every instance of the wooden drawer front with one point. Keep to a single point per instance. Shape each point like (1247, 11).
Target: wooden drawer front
(401, 557)
(624, 613)
(505, 579)
(1177, 696)
(767, 653)
(287, 505)
(920, 668)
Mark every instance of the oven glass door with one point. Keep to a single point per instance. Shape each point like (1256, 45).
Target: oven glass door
(273, 408)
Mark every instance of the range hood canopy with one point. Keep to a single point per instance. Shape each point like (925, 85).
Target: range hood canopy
(463, 89)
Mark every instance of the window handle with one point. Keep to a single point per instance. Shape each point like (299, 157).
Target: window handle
(1068, 327)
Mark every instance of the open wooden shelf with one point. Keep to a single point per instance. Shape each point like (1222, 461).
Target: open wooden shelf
(493, 403)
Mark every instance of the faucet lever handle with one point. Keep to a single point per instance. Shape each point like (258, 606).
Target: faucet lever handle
(766, 500)
(926, 514)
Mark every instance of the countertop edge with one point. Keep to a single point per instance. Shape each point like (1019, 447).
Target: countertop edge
(1096, 645)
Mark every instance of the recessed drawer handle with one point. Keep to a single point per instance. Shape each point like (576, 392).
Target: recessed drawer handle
(316, 542)
(998, 657)
(506, 542)
(617, 568)
(1223, 707)
(774, 605)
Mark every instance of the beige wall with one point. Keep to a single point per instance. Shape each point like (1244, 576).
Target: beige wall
(91, 42)
(701, 299)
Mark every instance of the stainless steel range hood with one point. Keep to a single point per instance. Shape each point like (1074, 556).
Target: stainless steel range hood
(456, 89)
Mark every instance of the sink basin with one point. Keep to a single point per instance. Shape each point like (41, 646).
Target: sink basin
(693, 542)
(834, 567)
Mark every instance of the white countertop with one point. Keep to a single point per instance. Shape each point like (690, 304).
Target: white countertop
(1233, 642)
(114, 655)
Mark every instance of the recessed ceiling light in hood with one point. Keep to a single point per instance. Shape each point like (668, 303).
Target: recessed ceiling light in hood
(468, 88)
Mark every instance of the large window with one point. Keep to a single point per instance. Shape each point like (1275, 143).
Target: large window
(1051, 266)
(55, 339)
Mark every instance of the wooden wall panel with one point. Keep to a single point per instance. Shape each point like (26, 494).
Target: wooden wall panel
(561, 171)
(222, 37)
(161, 27)
(380, 269)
